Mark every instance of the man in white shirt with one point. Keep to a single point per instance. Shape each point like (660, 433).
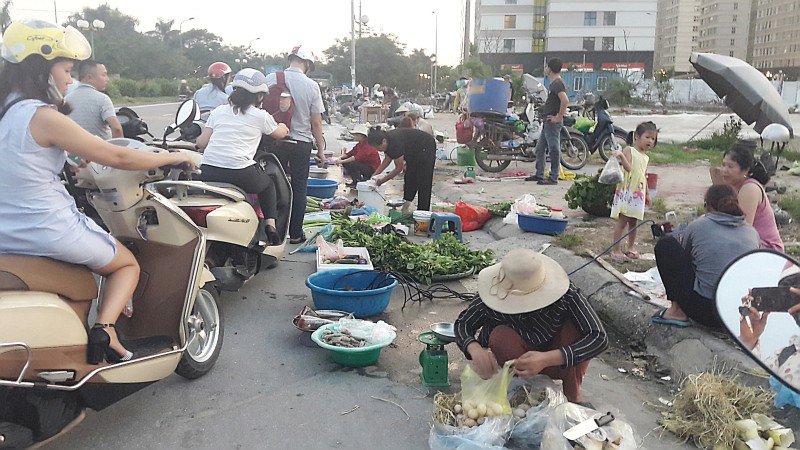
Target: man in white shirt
(91, 108)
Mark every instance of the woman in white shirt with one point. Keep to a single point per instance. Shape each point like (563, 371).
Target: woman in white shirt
(230, 140)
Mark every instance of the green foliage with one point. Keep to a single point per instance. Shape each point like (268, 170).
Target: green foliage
(157, 87)
(587, 192)
(722, 139)
(659, 205)
(663, 84)
(665, 154)
(569, 240)
(619, 91)
(791, 204)
(125, 88)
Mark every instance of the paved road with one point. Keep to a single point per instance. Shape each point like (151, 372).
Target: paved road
(272, 388)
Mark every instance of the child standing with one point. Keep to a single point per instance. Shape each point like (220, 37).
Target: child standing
(629, 198)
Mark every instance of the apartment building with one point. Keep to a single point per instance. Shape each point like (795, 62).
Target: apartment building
(676, 34)
(724, 27)
(775, 37)
(587, 35)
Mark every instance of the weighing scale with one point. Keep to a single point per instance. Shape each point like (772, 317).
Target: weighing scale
(433, 360)
(394, 214)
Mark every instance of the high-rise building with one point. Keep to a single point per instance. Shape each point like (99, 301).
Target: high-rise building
(588, 35)
(775, 36)
(677, 32)
(724, 27)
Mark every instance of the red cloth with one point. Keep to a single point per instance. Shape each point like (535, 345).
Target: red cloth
(365, 153)
(506, 345)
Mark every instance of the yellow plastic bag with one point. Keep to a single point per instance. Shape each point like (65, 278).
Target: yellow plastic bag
(488, 397)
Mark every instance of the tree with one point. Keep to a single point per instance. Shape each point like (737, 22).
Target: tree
(5, 16)
(164, 31)
(663, 84)
(379, 59)
(493, 46)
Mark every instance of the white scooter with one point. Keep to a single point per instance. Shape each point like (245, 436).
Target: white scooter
(237, 245)
(176, 326)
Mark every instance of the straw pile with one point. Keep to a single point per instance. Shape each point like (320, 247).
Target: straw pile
(444, 406)
(708, 404)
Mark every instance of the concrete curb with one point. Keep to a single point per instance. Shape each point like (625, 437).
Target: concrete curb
(683, 350)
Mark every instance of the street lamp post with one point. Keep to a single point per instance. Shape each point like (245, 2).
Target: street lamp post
(180, 31)
(241, 61)
(436, 51)
(96, 25)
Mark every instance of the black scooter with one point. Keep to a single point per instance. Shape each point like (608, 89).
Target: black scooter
(606, 136)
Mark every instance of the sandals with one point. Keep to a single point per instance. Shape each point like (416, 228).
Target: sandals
(632, 254)
(659, 319)
(618, 256)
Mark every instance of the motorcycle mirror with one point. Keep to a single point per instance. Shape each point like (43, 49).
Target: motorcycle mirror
(188, 112)
(753, 300)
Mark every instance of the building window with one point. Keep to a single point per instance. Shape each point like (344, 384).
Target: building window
(588, 44)
(730, 53)
(734, 18)
(608, 44)
(590, 18)
(735, 5)
(510, 22)
(733, 30)
(538, 46)
(578, 84)
(610, 18)
(602, 82)
(733, 42)
(508, 45)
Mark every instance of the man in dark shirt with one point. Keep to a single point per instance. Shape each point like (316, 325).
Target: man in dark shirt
(413, 150)
(554, 108)
(529, 312)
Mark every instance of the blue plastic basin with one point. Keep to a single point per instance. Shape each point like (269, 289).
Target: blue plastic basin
(322, 188)
(361, 292)
(542, 225)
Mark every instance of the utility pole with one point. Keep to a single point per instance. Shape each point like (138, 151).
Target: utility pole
(353, 44)
(465, 43)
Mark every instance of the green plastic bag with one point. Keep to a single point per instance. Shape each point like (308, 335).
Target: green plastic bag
(583, 124)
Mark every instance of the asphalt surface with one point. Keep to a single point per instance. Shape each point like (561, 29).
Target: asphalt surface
(274, 388)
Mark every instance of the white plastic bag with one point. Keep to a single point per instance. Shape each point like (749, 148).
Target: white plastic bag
(567, 415)
(373, 332)
(523, 205)
(612, 172)
(489, 436)
(328, 251)
(527, 432)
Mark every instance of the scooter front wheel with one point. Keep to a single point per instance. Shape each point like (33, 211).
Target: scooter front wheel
(574, 152)
(205, 335)
(609, 143)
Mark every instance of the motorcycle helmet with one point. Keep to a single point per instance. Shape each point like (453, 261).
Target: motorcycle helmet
(218, 70)
(302, 52)
(251, 80)
(776, 132)
(38, 37)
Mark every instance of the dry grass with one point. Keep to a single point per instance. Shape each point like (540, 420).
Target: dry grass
(708, 404)
(443, 405)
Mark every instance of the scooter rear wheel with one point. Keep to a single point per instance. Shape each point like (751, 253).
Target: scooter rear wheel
(205, 335)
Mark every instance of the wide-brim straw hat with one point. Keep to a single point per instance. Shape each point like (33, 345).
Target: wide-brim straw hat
(360, 129)
(522, 282)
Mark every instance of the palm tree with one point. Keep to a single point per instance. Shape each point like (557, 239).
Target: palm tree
(5, 16)
(164, 29)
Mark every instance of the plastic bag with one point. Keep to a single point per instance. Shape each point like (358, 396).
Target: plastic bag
(523, 205)
(472, 217)
(612, 172)
(567, 415)
(491, 435)
(527, 433)
(373, 332)
(464, 130)
(475, 389)
(310, 244)
(328, 251)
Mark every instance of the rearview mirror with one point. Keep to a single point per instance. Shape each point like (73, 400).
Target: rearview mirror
(759, 305)
(187, 113)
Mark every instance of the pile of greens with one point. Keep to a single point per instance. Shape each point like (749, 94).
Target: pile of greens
(388, 251)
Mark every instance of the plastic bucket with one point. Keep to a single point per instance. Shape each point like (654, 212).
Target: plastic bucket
(489, 95)
(652, 187)
(372, 196)
(422, 220)
(465, 156)
(322, 188)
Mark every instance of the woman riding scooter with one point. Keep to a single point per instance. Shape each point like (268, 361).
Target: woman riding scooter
(231, 138)
(37, 215)
(213, 94)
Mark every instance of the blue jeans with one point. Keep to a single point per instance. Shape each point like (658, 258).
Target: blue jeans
(549, 140)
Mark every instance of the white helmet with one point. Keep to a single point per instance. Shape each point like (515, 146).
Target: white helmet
(251, 80)
(776, 132)
(302, 52)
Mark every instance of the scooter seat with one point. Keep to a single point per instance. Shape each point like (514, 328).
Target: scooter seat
(37, 273)
(230, 186)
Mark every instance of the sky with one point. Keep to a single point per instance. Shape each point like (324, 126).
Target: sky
(279, 27)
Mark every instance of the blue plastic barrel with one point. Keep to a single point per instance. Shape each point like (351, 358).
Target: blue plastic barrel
(489, 95)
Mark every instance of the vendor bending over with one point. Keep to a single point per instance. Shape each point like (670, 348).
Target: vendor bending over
(528, 311)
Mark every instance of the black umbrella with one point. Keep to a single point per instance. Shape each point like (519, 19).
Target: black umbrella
(745, 90)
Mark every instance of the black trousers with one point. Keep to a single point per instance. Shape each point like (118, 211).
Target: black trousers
(419, 177)
(252, 179)
(295, 161)
(358, 171)
(677, 274)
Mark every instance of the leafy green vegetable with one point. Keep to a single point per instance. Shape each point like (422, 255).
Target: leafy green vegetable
(445, 256)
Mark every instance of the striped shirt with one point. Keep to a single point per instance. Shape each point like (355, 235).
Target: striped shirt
(538, 327)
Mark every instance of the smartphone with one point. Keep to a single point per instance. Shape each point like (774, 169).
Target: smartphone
(773, 299)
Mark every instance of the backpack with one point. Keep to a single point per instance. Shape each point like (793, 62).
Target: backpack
(278, 101)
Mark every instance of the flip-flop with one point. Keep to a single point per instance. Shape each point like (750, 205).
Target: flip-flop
(659, 318)
(620, 257)
(632, 254)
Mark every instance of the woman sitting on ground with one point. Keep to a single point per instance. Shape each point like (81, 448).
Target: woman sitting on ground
(230, 140)
(748, 176)
(529, 312)
(691, 264)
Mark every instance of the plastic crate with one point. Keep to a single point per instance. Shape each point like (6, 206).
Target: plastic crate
(360, 251)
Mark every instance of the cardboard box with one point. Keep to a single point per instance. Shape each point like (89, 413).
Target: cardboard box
(361, 251)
